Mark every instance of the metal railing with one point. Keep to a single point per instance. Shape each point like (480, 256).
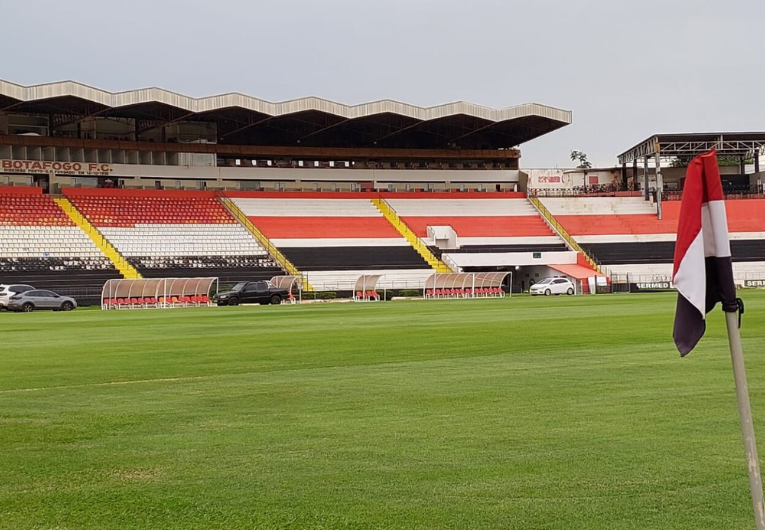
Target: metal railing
(403, 228)
(272, 251)
(558, 228)
(348, 285)
(122, 264)
(731, 193)
(599, 190)
(449, 262)
(640, 278)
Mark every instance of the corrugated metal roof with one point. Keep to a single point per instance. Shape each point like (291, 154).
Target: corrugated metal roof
(206, 104)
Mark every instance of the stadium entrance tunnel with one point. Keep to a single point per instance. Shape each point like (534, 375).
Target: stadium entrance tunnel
(158, 293)
(584, 279)
(467, 285)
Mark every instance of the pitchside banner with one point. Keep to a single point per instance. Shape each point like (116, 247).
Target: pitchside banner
(60, 168)
(654, 286)
(754, 283)
(649, 287)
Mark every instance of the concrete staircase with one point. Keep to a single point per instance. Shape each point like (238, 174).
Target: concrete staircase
(120, 262)
(274, 252)
(422, 249)
(558, 229)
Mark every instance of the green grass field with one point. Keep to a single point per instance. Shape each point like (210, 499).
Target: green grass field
(548, 413)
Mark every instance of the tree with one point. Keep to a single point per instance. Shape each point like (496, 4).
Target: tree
(581, 157)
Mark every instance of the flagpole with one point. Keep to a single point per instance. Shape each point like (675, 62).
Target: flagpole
(745, 414)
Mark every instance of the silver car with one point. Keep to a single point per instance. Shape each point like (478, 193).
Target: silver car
(6, 291)
(28, 301)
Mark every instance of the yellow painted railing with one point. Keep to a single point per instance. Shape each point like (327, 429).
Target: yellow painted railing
(422, 249)
(562, 232)
(120, 262)
(274, 252)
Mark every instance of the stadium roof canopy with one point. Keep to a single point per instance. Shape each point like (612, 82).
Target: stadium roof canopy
(742, 144)
(311, 121)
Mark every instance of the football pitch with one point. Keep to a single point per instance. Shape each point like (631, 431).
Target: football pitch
(522, 413)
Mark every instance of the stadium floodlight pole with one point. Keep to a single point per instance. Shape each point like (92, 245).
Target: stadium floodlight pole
(745, 415)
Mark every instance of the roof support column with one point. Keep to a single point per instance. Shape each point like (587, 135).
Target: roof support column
(742, 165)
(659, 185)
(635, 185)
(646, 193)
(624, 175)
(756, 160)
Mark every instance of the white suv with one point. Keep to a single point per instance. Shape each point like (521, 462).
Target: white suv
(6, 291)
(550, 286)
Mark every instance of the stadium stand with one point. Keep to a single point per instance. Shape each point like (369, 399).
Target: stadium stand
(41, 246)
(625, 235)
(504, 223)
(175, 234)
(334, 238)
(496, 223)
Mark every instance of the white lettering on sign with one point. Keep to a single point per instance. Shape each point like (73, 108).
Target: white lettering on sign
(754, 283)
(61, 168)
(654, 285)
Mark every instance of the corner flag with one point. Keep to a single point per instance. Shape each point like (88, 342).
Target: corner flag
(703, 273)
(703, 276)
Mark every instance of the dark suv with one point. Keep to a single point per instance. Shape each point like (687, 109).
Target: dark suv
(251, 293)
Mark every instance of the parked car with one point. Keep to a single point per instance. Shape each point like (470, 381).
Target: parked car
(550, 286)
(6, 291)
(251, 293)
(28, 301)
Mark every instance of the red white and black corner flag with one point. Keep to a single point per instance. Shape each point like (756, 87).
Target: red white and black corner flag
(703, 273)
(704, 276)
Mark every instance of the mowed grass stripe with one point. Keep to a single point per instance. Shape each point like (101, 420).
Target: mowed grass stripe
(95, 347)
(523, 413)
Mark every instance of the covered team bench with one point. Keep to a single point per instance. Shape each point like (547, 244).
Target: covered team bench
(157, 293)
(292, 284)
(466, 285)
(364, 289)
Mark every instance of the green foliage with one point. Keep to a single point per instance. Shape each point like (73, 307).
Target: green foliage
(324, 295)
(385, 294)
(410, 292)
(581, 157)
(517, 413)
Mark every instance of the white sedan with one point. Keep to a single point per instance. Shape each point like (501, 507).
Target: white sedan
(550, 286)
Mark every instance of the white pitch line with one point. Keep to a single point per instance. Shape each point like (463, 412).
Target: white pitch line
(109, 383)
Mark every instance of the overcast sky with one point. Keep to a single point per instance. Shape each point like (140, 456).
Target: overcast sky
(625, 69)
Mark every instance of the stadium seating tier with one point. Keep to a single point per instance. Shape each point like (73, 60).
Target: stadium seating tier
(490, 226)
(335, 240)
(324, 227)
(625, 234)
(482, 226)
(41, 246)
(177, 234)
